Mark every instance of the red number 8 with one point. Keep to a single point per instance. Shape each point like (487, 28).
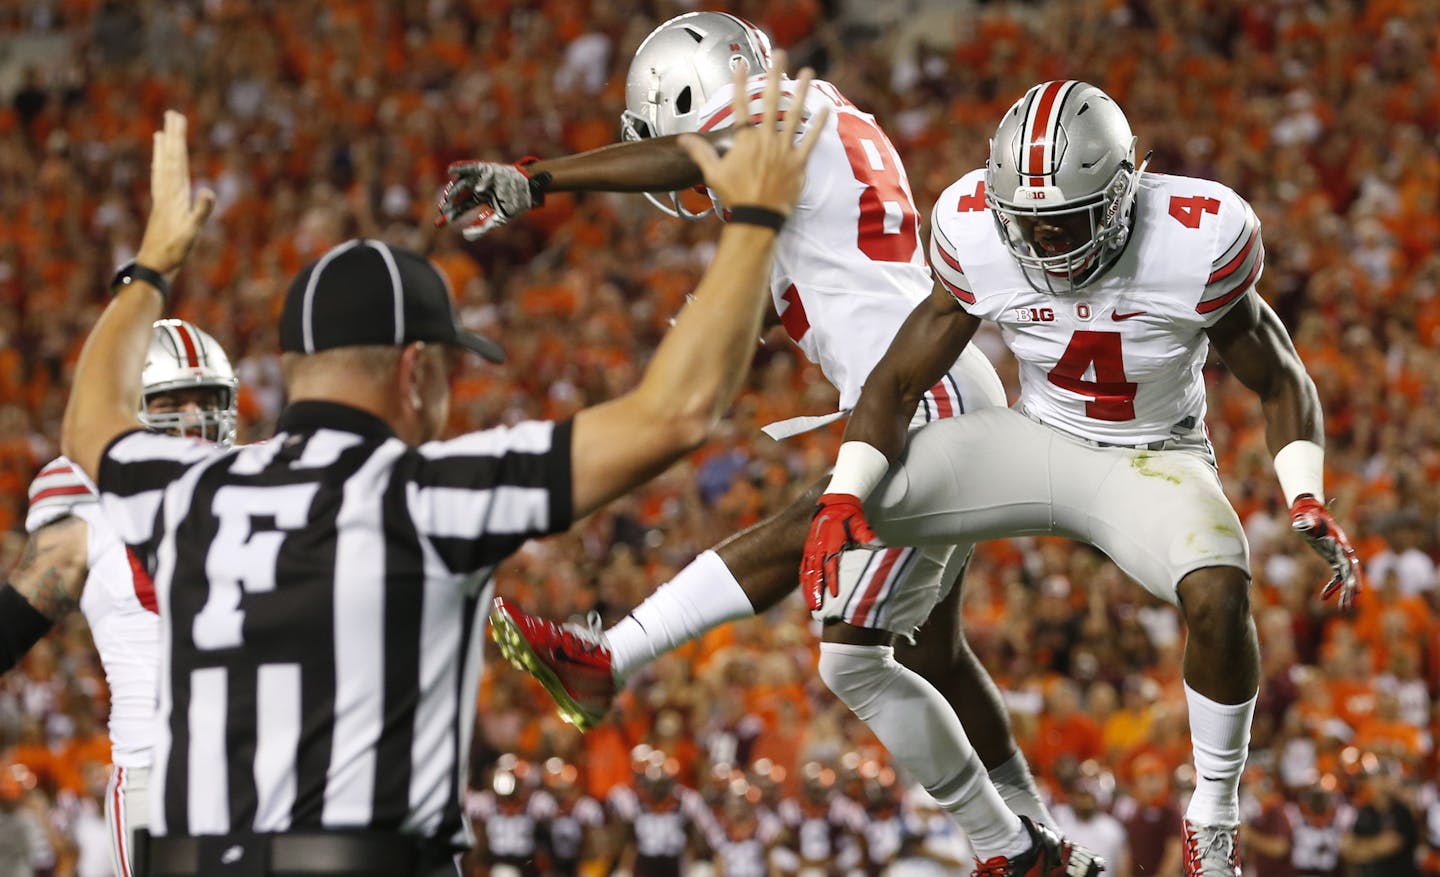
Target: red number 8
(889, 223)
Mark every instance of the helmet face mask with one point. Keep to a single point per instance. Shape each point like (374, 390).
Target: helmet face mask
(1061, 183)
(675, 71)
(189, 388)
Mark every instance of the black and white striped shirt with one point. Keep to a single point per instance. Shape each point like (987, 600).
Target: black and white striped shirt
(321, 595)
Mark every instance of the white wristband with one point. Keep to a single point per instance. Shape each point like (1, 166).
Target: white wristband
(858, 468)
(1300, 466)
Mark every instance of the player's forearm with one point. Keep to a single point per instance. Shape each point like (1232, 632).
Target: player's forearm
(658, 165)
(105, 394)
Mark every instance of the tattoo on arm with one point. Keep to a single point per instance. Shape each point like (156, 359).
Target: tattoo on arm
(53, 567)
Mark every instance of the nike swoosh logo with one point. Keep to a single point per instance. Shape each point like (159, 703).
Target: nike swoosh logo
(1119, 317)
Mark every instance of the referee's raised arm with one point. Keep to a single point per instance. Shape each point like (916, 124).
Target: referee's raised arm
(105, 395)
(700, 365)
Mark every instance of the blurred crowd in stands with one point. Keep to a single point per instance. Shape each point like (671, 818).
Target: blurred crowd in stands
(317, 120)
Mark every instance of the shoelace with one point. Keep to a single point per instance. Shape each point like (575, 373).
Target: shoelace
(1212, 845)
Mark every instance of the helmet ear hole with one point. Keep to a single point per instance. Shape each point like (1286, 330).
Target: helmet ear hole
(682, 101)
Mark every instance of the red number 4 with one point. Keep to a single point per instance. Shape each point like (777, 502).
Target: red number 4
(1190, 209)
(972, 202)
(1112, 397)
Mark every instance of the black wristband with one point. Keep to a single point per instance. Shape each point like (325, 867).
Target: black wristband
(762, 216)
(132, 271)
(21, 626)
(538, 186)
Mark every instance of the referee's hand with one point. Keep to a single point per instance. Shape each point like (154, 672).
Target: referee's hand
(765, 165)
(175, 216)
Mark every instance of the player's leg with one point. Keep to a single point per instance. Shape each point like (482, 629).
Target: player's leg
(743, 576)
(1163, 518)
(127, 811)
(942, 655)
(1222, 679)
(924, 736)
(755, 569)
(921, 731)
(583, 669)
(953, 476)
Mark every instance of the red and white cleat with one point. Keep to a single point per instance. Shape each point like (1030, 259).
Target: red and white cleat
(572, 662)
(1049, 855)
(1212, 850)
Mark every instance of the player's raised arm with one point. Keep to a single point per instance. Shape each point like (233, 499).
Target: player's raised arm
(700, 365)
(105, 395)
(675, 85)
(500, 192)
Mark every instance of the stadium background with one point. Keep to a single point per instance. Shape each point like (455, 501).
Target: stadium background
(316, 121)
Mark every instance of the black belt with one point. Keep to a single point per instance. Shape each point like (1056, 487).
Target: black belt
(254, 855)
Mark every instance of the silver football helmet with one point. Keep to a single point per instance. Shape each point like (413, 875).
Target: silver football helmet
(1061, 184)
(181, 357)
(675, 71)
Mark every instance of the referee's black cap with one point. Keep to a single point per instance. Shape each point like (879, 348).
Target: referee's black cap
(366, 292)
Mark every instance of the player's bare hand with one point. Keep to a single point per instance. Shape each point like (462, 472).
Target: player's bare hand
(765, 165)
(1312, 520)
(176, 215)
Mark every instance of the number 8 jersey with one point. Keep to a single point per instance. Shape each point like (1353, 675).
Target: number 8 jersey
(848, 266)
(1120, 361)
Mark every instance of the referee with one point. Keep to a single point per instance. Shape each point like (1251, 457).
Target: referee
(319, 591)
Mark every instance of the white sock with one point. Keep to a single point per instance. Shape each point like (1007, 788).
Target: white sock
(1016, 785)
(703, 595)
(921, 731)
(1220, 738)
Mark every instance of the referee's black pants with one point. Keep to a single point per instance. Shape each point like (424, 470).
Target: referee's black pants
(299, 854)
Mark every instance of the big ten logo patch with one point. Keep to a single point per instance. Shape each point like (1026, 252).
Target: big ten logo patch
(1035, 315)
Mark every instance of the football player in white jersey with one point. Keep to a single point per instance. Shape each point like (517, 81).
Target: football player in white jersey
(74, 559)
(1109, 285)
(848, 270)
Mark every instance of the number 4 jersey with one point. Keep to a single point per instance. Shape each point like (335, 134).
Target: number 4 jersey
(848, 267)
(1120, 361)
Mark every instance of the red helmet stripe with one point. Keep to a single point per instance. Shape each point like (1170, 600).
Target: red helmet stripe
(191, 353)
(1039, 129)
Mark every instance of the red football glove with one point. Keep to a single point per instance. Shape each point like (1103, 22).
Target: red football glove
(1309, 518)
(839, 525)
